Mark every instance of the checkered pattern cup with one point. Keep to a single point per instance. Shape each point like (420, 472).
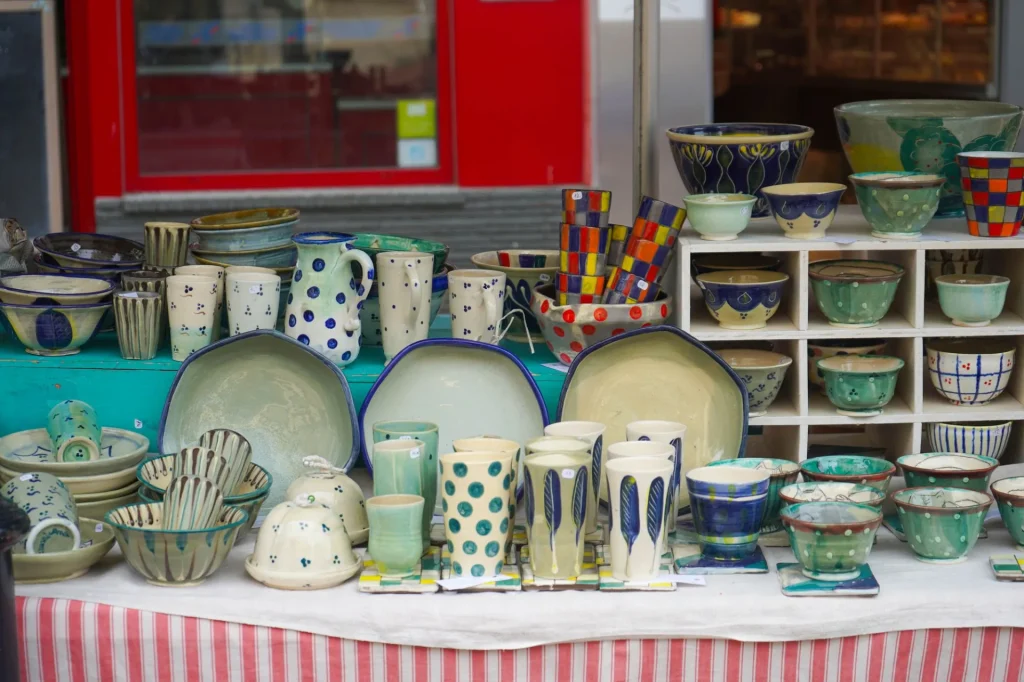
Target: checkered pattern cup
(583, 250)
(648, 253)
(588, 207)
(992, 188)
(617, 245)
(577, 289)
(624, 287)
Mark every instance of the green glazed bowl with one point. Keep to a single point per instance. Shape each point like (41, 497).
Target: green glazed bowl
(972, 300)
(831, 540)
(781, 473)
(947, 470)
(898, 205)
(854, 293)
(873, 471)
(941, 524)
(1009, 494)
(719, 217)
(860, 385)
(831, 491)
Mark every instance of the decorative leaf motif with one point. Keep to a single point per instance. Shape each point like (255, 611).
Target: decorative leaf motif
(529, 498)
(579, 501)
(595, 467)
(655, 509)
(629, 511)
(552, 510)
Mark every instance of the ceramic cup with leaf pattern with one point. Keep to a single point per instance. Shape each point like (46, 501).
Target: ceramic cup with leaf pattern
(638, 489)
(557, 495)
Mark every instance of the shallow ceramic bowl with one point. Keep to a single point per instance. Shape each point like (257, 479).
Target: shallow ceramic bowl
(175, 558)
(762, 372)
(156, 474)
(53, 289)
(831, 540)
(719, 157)
(872, 471)
(819, 350)
(259, 228)
(99, 508)
(804, 210)
(1009, 496)
(112, 274)
(970, 371)
(947, 470)
(972, 300)
(282, 256)
(742, 299)
(524, 271)
(77, 250)
(860, 385)
(285, 273)
(369, 316)
(941, 524)
(87, 485)
(131, 488)
(781, 473)
(898, 205)
(28, 451)
(719, 217)
(251, 507)
(54, 330)
(988, 440)
(52, 567)
(831, 491)
(373, 244)
(925, 135)
(854, 293)
(569, 329)
(720, 262)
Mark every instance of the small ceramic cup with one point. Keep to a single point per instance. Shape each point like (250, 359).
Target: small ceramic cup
(592, 433)
(972, 300)
(860, 385)
(762, 372)
(719, 217)
(403, 292)
(398, 470)
(74, 431)
(475, 489)
(504, 447)
(253, 301)
(426, 433)
(556, 512)
(396, 535)
(831, 540)
(673, 433)
(941, 524)
(209, 271)
(153, 281)
(191, 312)
(804, 210)
(166, 244)
(781, 472)
(476, 299)
(728, 505)
(234, 448)
(1009, 495)
(203, 462)
(992, 203)
(191, 503)
(51, 511)
(139, 318)
(638, 488)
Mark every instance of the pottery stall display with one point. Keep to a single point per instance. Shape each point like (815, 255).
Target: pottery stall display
(403, 294)
(970, 371)
(396, 535)
(475, 491)
(831, 540)
(329, 486)
(898, 205)
(739, 157)
(51, 510)
(1009, 496)
(781, 473)
(253, 301)
(762, 372)
(951, 262)
(191, 312)
(13, 526)
(870, 471)
(728, 505)
(992, 183)
(476, 301)
(854, 293)
(588, 207)
(398, 469)
(860, 385)
(166, 244)
(804, 210)
(557, 492)
(742, 299)
(941, 524)
(719, 217)
(524, 271)
(819, 350)
(139, 319)
(831, 491)
(638, 492)
(592, 433)
(583, 253)
(972, 438)
(671, 433)
(925, 135)
(947, 470)
(427, 434)
(972, 300)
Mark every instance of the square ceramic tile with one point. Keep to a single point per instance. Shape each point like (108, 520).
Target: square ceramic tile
(587, 580)
(510, 580)
(422, 582)
(688, 561)
(608, 583)
(795, 584)
(1007, 566)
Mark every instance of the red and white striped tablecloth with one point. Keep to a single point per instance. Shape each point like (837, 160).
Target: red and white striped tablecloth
(74, 641)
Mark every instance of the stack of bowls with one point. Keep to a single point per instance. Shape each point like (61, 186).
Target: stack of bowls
(92, 255)
(54, 314)
(648, 253)
(260, 237)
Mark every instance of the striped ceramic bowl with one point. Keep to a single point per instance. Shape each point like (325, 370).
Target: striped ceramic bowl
(974, 438)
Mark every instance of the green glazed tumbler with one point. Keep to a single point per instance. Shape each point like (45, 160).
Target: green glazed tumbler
(396, 535)
(427, 433)
(397, 470)
(74, 431)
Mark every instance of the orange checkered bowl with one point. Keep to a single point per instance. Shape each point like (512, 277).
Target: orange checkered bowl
(992, 184)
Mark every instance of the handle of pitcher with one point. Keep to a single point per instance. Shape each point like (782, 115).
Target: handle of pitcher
(349, 255)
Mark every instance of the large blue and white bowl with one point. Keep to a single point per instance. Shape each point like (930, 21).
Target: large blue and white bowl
(970, 371)
(54, 330)
(975, 438)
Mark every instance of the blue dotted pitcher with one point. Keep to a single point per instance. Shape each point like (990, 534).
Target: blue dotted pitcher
(325, 298)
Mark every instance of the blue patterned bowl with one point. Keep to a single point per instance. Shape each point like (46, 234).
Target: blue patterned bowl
(970, 371)
(742, 299)
(804, 210)
(54, 329)
(988, 440)
(782, 473)
(729, 158)
(728, 505)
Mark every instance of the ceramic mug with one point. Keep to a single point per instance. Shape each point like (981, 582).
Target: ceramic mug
(476, 301)
(396, 536)
(191, 503)
(51, 511)
(557, 495)
(638, 491)
(673, 433)
(74, 432)
(426, 433)
(593, 433)
(253, 300)
(233, 447)
(191, 312)
(508, 447)
(139, 319)
(209, 271)
(403, 290)
(398, 470)
(475, 489)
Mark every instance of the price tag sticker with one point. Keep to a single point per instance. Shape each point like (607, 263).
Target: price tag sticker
(76, 247)
(568, 473)
(641, 285)
(138, 423)
(545, 277)
(414, 453)
(116, 257)
(576, 196)
(784, 145)
(25, 477)
(99, 527)
(254, 289)
(406, 438)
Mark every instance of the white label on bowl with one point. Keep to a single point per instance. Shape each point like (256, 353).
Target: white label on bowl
(577, 196)
(99, 527)
(568, 473)
(414, 453)
(784, 145)
(138, 423)
(406, 438)
(641, 285)
(26, 477)
(254, 289)
(76, 247)
(116, 257)
(545, 278)
(129, 294)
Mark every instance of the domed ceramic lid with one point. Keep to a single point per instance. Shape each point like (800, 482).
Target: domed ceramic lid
(329, 486)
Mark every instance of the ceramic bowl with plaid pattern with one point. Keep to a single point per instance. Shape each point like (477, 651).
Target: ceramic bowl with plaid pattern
(993, 188)
(970, 371)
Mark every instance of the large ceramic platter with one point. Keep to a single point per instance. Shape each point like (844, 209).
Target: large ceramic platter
(286, 399)
(660, 373)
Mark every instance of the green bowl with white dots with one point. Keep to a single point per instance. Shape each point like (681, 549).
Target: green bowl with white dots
(941, 524)
(1009, 494)
(947, 470)
(831, 540)
(898, 205)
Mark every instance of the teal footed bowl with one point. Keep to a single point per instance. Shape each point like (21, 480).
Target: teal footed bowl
(941, 524)
(1009, 494)
(831, 540)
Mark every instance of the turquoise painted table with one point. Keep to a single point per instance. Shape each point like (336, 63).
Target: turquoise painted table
(130, 394)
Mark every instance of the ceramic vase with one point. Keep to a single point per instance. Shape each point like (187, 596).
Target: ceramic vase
(235, 449)
(398, 470)
(403, 286)
(673, 433)
(476, 299)
(74, 431)
(138, 316)
(51, 510)
(728, 505)
(209, 271)
(426, 433)
(166, 244)
(153, 281)
(325, 299)
(556, 490)
(192, 503)
(253, 300)
(475, 489)
(592, 433)
(638, 489)
(505, 447)
(191, 312)
(396, 536)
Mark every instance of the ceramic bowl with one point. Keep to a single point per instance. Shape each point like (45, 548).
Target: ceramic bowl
(728, 505)
(831, 491)
(804, 210)
(52, 567)
(924, 135)
(987, 440)
(524, 271)
(739, 157)
(28, 451)
(247, 230)
(825, 450)
(742, 299)
(282, 256)
(111, 274)
(157, 473)
(369, 316)
(782, 473)
(831, 540)
(130, 489)
(177, 558)
(762, 372)
(373, 244)
(871, 471)
(251, 507)
(860, 385)
(99, 508)
(341, 494)
(78, 250)
(941, 524)
(938, 262)
(819, 350)
(570, 329)
(719, 217)
(970, 371)
(854, 293)
(947, 470)
(85, 485)
(972, 300)
(720, 262)
(1009, 496)
(898, 205)
(54, 289)
(54, 330)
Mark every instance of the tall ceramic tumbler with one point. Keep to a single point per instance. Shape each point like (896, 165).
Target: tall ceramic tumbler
(74, 430)
(557, 495)
(209, 271)
(137, 316)
(150, 281)
(397, 470)
(426, 433)
(253, 299)
(396, 537)
(638, 492)
(728, 505)
(673, 433)
(191, 312)
(474, 496)
(592, 433)
(476, 301)
(507, 447)
(403, 288)
(166, 244)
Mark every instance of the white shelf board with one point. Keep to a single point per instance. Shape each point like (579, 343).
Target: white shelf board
(780, 413)
(821, 411)
(936, 324)
(891, 326)
(935, 408)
